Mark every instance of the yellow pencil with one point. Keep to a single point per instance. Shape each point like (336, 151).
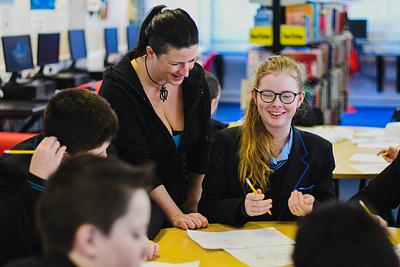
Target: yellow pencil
(365, 208)
(19, 152)
(384, 153)
(372, 216)
(255, 192)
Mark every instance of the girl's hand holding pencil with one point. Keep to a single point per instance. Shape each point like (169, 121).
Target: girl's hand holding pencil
(389, 154)
(254, 203)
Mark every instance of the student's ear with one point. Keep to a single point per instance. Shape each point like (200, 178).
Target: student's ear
(301, 97)
(254, 95)
(86, 240)
(214, 105)
(150, 52)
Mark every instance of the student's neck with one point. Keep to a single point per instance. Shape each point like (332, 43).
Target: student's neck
(79, 260)
(281, 136)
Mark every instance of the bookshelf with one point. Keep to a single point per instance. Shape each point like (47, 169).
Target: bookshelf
(313, 33)
(269, 3)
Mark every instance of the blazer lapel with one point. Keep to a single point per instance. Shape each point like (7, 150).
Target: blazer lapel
(296, 170)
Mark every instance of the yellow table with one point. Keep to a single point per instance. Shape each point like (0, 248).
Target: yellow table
(177, 247)
(344, 150)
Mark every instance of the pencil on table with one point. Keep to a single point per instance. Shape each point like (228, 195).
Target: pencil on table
(255, 191)
(19, 152)
(384, 153)
(365, 208)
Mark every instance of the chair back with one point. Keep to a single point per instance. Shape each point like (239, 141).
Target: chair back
(10, 139)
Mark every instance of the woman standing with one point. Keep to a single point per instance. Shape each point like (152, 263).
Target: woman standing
(291, 169)
(162, 101)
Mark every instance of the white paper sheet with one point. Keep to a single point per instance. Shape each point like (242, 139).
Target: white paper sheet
(165, 264)
(332, 134)
(373, 144)
(264, 256)
(369, 168)
(240, 238)
(371, 158)
(361, 141)
(370, 133)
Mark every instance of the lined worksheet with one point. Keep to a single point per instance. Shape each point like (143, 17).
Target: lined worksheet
(370, 158)
(369, 168)
(240, 238)
(264, 256)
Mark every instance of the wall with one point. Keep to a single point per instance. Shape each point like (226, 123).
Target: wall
(71, 14)
(382, 16)
(18, 18)
(199, 10)
(117, 17)
(33, 22)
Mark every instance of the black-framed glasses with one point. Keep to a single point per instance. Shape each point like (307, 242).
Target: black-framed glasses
(269, 96)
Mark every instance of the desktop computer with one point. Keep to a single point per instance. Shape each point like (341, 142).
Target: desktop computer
(73, 77)
(112, 56)
(132, 34)
(358, 27)
(35, 90)
(66, 80)
(47, 52)
(18, 56)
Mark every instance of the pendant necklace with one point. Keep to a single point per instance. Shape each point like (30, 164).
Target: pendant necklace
(163, 87)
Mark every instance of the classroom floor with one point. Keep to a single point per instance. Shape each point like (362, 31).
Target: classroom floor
(362, 85)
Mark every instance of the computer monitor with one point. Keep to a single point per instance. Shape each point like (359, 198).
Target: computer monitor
(111, 40)
(48, 48)
(17, 54)
(132, 35)
(77, 44)
(358, 27)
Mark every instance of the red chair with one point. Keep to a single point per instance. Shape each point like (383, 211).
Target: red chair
(353, 61)
(92, 86)
(208, 61)
(10, 139)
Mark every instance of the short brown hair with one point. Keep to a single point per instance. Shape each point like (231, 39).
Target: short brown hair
(87, 189)
(80, 119)
(342, 235)
(213, 84)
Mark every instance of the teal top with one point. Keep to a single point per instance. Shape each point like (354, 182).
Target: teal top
(177, 135)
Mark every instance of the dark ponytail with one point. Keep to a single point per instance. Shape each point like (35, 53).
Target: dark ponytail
(161, 29)
(140, 49)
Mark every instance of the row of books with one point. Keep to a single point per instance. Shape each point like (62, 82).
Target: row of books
(325, 92)
(330, 93)
(320, 58)
(263, 17)
(321, 20)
